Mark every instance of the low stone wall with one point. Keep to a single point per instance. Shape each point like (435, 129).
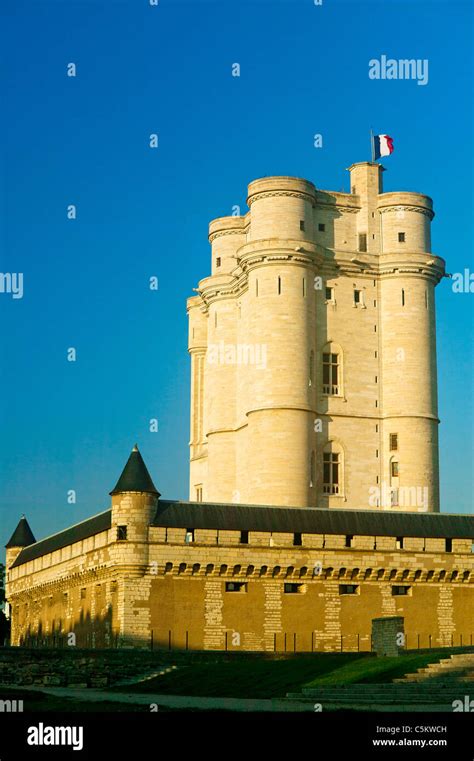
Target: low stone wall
(77, 668)
(101, 668)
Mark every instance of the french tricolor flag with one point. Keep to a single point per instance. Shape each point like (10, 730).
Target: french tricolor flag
(383, 146)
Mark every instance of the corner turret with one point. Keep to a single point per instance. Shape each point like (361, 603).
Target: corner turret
(134, 503)
(21, 537)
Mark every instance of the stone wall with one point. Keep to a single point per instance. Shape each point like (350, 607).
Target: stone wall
(181, 598)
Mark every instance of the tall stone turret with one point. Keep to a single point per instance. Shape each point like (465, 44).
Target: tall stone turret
(313, 350)
(134, 503)
(408, 276)
(21, 537)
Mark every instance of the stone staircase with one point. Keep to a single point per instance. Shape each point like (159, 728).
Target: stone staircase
(383, 697)
(458, 667)
(434, 688)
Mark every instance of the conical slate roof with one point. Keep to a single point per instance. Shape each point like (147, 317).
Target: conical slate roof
(22, 536)
(135, 476)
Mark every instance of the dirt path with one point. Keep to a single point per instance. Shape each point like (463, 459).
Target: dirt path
(173, 701)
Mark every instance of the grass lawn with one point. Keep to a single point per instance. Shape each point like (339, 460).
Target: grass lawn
(246, 679)
(376, 670)
(274, 678)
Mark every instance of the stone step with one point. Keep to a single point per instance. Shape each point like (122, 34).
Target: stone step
(389, 696)
(384, 693)
(459, 666)
(376, 699)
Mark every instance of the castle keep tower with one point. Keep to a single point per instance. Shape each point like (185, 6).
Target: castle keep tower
(313, 351)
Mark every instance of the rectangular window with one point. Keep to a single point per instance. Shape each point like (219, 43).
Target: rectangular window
(330, 374)
(401, 237)
(218, 261)
(198, 493)
(357, 297)
(329, 293)
(244, 537)
(297, 539)
(235, 586)
(302, 224)
(321, 227)
(399, 543)
(400, 591)
(189, 536)
(362, 242)
(394, 469)
(348, 589)
(330, 473)
(121, 533)
(449, 545)
(349, 539)
(393, 442)
(292, 589)
(83, 593)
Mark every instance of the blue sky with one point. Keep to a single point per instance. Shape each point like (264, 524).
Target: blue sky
(143, 212)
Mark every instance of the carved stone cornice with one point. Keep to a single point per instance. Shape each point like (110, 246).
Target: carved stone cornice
(63, 583)
(336, 208)
(418, 209)
(272, 193)
(220, 233)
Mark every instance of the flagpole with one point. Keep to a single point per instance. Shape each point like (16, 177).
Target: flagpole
(372, 144)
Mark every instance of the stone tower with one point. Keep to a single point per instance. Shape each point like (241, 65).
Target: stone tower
(313, 352)
(134, 503)
(21, 537)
